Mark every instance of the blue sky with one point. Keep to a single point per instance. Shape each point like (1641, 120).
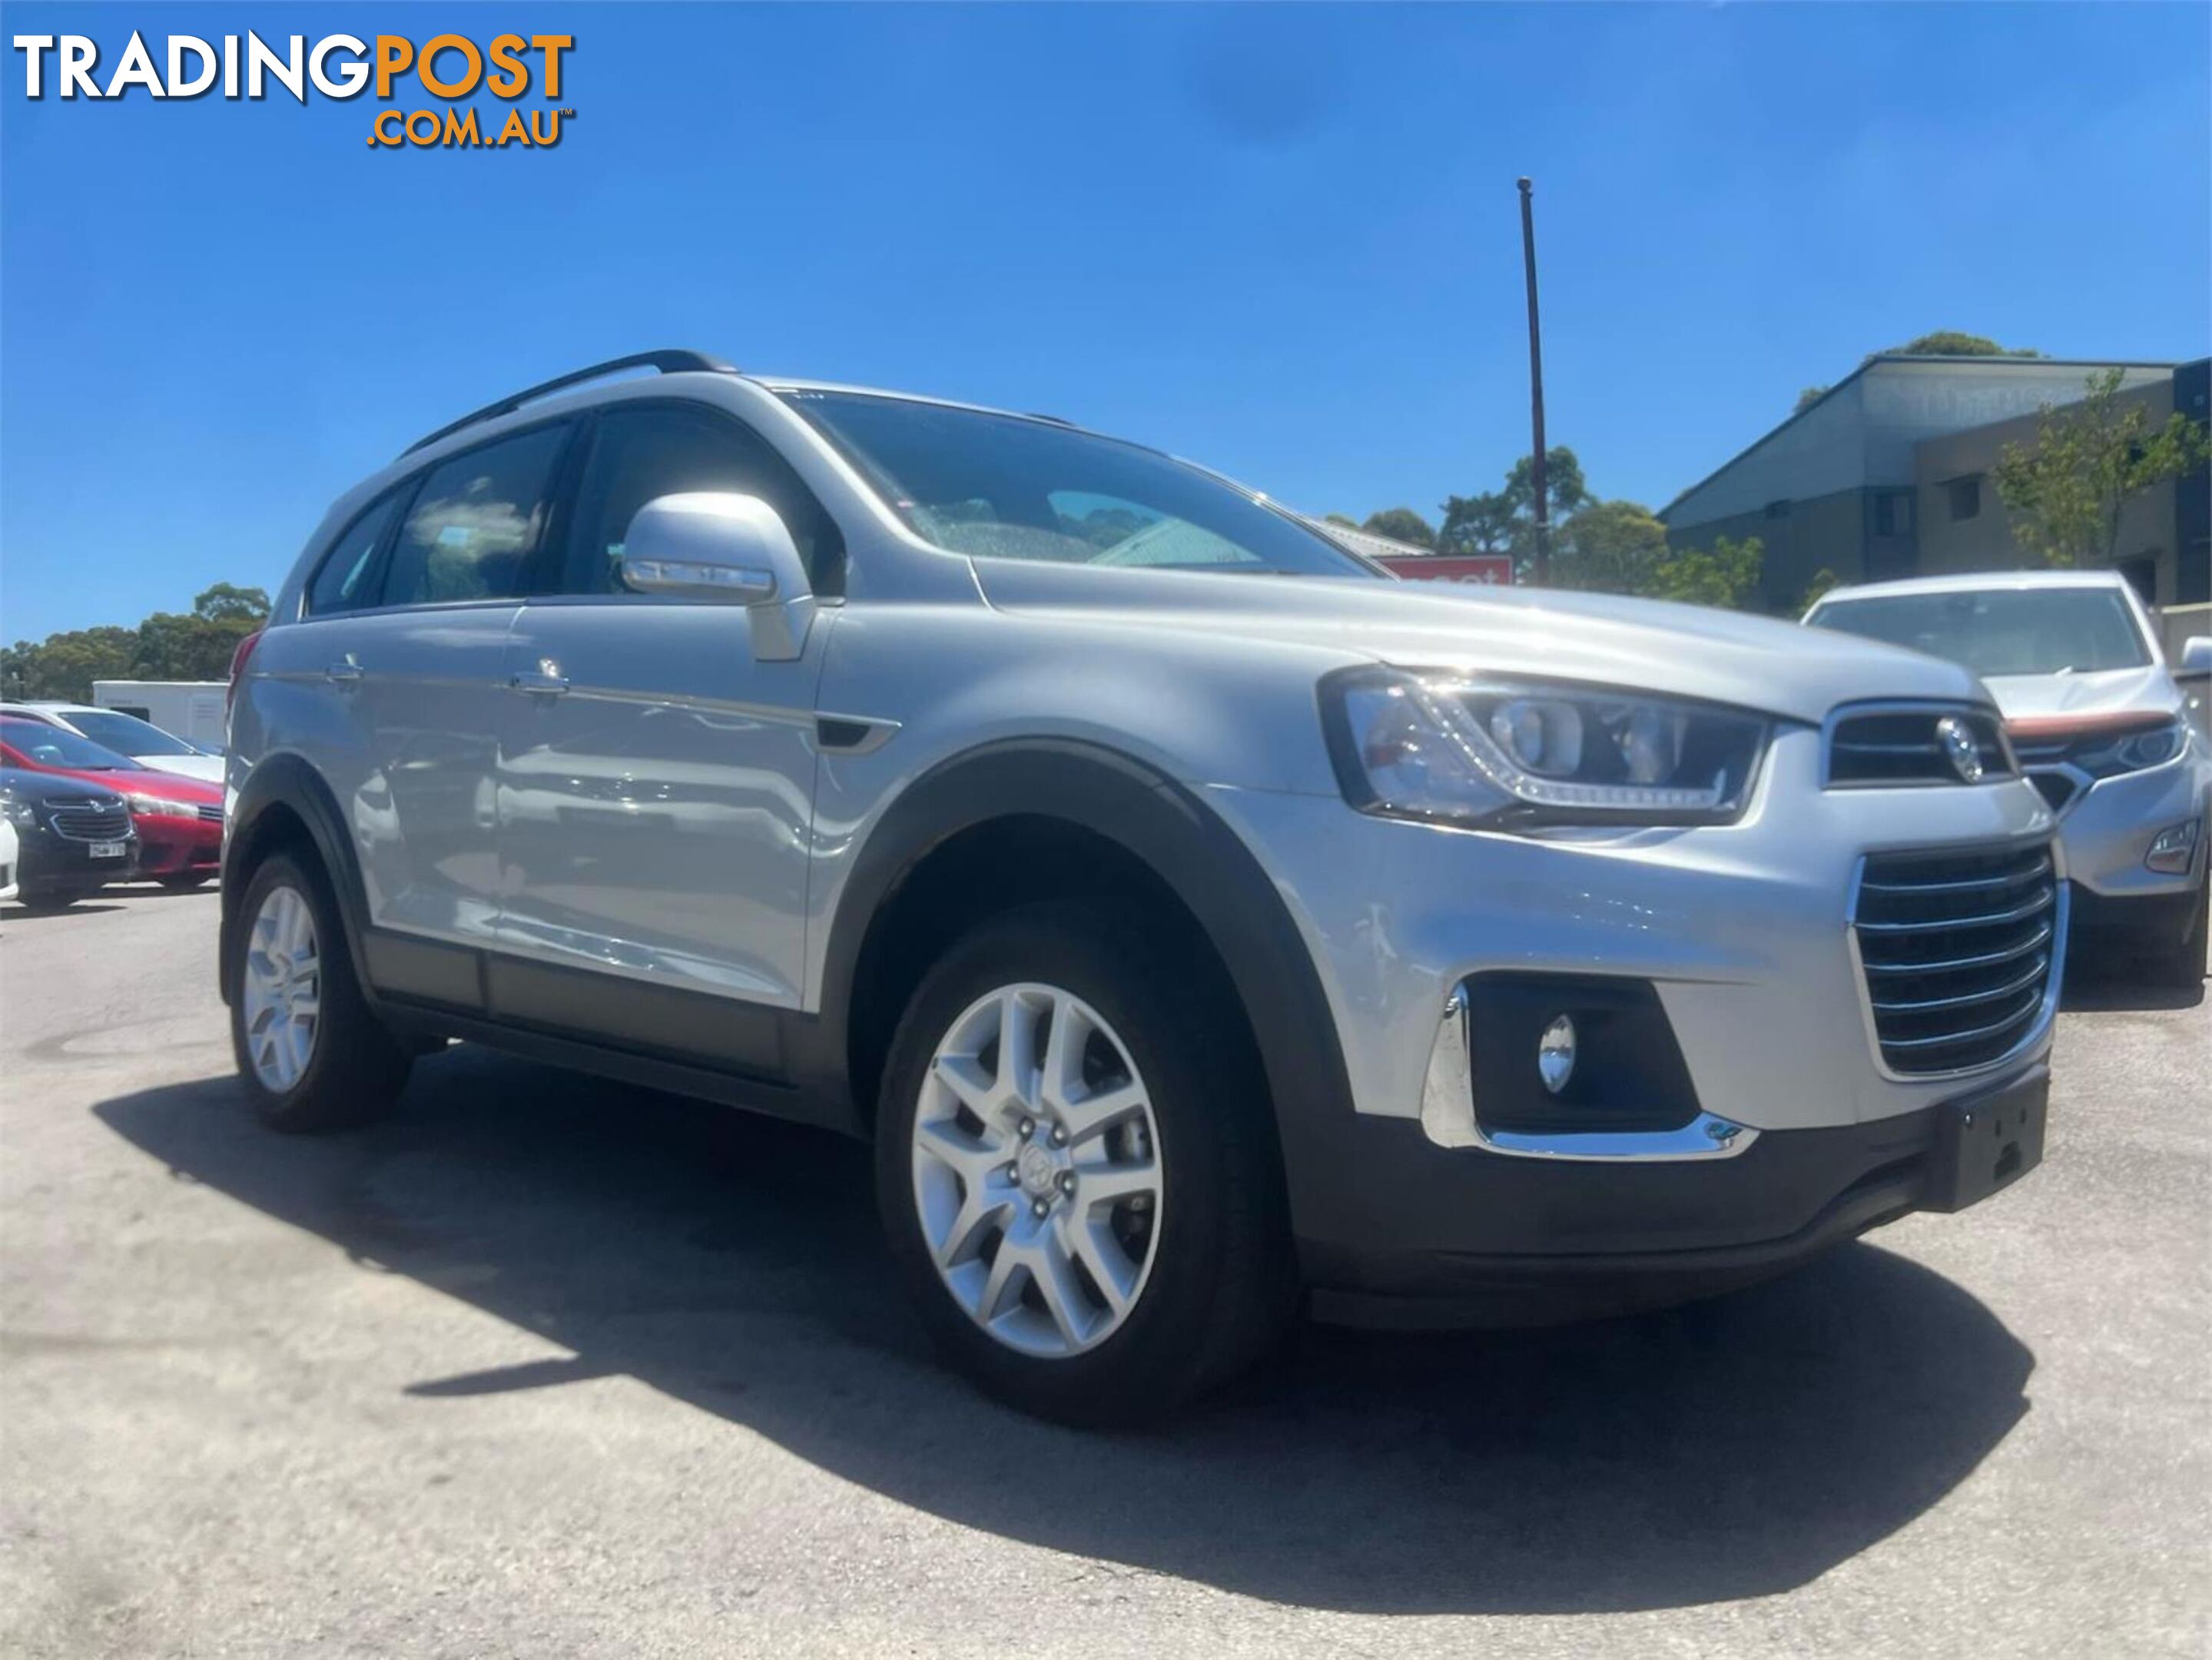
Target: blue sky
(1284, 242)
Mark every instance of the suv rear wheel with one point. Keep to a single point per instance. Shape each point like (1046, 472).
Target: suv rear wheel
(310, 1054)
(1073, 1171)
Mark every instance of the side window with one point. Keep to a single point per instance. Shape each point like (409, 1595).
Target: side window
(476, 521)
(642, 451)
(344, 581)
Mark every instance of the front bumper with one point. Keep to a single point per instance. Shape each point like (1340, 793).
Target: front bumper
(174, 847)
(1743, 934)
(48, 863)
(1477, 1240)
(2107, 827)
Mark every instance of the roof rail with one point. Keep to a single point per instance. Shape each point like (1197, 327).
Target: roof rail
(668, 363)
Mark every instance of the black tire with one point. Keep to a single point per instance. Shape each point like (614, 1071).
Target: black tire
(49, 899)
(355, 1070)
(1221, 1287)
(187, 882)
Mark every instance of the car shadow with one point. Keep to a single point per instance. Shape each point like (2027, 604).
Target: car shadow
(2112, 992)
(1733, 1449)
(13, 911)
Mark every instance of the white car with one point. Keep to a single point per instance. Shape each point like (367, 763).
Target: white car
(2100, 726)
(126, 734)
(10, 850)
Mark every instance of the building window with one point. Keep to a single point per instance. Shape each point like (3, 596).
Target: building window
(1778, 509)
(1966, 497)
(1892, 513)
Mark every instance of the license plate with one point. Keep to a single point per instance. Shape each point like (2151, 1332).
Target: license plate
(108, 849)
(1987, 1142)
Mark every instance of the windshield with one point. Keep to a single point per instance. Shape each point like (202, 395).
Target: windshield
(2001, 630)
(127, 734)
(1006, 487)
(58, 747)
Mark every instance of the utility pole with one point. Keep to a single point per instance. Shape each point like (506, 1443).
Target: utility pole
(1536, 390)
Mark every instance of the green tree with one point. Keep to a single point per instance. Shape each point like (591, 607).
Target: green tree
(64, 666)
(1563, 485)
(1505, 521)
(2066, 490)
(1809, 397)
(1478, 523)
(1724, 575)
(1343, 518)
(1950, 343)
(226, 602)
(1401, 525)
(1608, 547)
(1823, 579)
(196, 645)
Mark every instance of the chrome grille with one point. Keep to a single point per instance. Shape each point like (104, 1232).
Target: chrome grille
(1959, 952)
(89, 819)
(1900, 744)
(211, 814)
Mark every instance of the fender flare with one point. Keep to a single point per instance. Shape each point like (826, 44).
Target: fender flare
(1182, 839)
(288, 780)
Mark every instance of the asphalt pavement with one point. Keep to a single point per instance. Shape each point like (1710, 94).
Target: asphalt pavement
(548, 1367)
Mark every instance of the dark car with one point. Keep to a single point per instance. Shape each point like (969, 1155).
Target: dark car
(178, 819)
(74, 838)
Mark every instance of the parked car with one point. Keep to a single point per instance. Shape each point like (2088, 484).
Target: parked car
(126, 734)
(2194, 677)
(180, 820)
(2101, 728)
(190, 709)
(10, 849)
(1194, 917)
(72, 840)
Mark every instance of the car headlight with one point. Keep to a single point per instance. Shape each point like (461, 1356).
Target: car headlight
(2152, 746)
(162, 806)
(23, 813)
(1506, 754)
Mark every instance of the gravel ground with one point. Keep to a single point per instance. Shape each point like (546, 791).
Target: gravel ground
(548, 1366)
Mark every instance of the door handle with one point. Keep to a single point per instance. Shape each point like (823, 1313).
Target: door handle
(343, 674)
(539, 682)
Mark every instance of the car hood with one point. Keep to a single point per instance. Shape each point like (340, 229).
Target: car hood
(1685, 651)
(2148, 690)
(208, 768)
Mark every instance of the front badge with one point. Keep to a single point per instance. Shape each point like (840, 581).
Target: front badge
(1959, 745)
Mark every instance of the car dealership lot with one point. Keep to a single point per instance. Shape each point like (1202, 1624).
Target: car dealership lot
(545, 1365)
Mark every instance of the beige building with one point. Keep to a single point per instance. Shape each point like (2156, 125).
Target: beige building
(1889, 474)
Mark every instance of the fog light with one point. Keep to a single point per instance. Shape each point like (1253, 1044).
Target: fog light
(1555, 1053)
(2172, 849)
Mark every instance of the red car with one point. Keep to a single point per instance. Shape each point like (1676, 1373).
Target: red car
(180, 820)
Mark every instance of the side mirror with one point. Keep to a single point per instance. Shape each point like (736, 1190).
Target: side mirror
(723, 548)
(2197, 654)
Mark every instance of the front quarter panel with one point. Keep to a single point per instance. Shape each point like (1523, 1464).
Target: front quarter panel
(1203, 710)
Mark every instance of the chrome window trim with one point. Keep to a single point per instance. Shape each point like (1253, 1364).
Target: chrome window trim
(2040, 1028)
(1844, 712)
(1448, 1118)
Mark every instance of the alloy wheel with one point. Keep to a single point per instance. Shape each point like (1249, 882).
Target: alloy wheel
(1036, 1170)
(283, 989)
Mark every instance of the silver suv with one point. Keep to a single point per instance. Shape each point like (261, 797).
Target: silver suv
(1201, 923)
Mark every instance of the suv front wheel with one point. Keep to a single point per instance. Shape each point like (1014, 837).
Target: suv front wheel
(310, 1053)
(1073, 1171)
